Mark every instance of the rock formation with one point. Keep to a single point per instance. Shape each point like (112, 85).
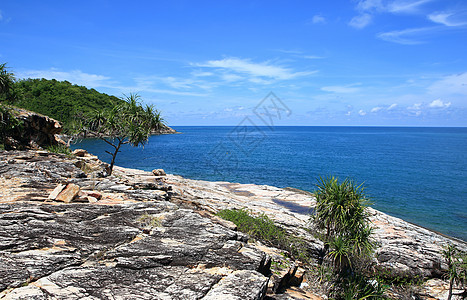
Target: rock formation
(137, 235)
(36, 131)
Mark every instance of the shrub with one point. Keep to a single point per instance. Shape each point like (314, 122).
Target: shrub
(261, 227)
(457, 267)
(341, 216)
(60, 149)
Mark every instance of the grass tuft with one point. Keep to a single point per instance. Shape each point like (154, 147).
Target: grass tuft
(59, 149)
(261, 227)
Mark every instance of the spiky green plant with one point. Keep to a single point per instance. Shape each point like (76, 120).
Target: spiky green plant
(126, 123)
(457, 267)
(341, 215)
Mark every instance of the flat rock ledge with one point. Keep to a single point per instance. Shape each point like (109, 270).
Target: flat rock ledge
(134, 235)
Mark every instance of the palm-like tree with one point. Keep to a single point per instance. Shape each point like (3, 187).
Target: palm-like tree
(7, 81)
(341, 213)
(126, 123)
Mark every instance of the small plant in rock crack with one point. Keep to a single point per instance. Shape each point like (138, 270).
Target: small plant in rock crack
(150, 221)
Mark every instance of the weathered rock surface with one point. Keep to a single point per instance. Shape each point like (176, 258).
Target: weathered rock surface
(128, 244)
(127, 241)
(36, 131)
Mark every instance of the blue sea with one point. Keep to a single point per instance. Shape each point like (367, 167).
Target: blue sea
(417, 174)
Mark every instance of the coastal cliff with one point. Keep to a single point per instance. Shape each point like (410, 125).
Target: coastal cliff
(34, 132)
(69, 231)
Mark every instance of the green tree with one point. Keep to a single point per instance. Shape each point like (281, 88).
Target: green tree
(457, 267)
(342, 217)
(7, 85)
(8, 94)
(126, 123)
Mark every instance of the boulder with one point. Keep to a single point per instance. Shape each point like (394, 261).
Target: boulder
(54, 194)
(80, 152)
(158, 172)
(69, 193)
(37, 131)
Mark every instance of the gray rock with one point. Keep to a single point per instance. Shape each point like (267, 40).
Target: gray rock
(76, 251)
(240, 285)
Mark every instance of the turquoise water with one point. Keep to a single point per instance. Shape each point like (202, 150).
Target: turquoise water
(417, 174)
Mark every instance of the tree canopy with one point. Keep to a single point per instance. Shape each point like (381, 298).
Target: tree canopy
(126, 123)
(61, 100)
(7, 84)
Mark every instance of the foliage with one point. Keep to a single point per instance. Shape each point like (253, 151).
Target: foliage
(360, 287)
(8, 92)
(341, 213)
(61, 100)
(60, 149)
(263, 228)
(342, 222)
(150, 220)
(125, 123)
(8, 123)
(457, 267)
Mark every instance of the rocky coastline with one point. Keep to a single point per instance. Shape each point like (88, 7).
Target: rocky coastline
(69, 231)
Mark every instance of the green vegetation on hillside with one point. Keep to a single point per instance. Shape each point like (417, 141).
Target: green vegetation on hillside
(61, 100)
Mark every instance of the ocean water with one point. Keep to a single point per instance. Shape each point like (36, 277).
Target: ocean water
(417, 174)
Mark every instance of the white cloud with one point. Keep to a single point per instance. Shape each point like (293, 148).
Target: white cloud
(439, 104)
(256, 71)
(449, 19)
(202, 74)
(369, 8)
(452, 84)
(76, 77)
(409, 36)
(415, 106)
(404, 6)
(360, 21)
(361, 112)
(376, 109)
(1, 16)
(392, 106)
(340, 89)
(231, 77)
(366, 5)
(313, 57)
(318, 19)
(178, 86)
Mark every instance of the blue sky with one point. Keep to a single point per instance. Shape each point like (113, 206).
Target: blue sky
(372, 62)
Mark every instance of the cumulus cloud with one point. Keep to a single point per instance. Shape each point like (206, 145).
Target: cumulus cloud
(439, 104)
(75, 76)
(392, 106)
(361, 112)
(376, 109)
(318, 19)
(415, 106)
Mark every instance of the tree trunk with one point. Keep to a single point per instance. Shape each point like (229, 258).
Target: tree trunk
(451, 282)
(112, 162)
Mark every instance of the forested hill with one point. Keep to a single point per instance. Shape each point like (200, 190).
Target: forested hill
(61, 100)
